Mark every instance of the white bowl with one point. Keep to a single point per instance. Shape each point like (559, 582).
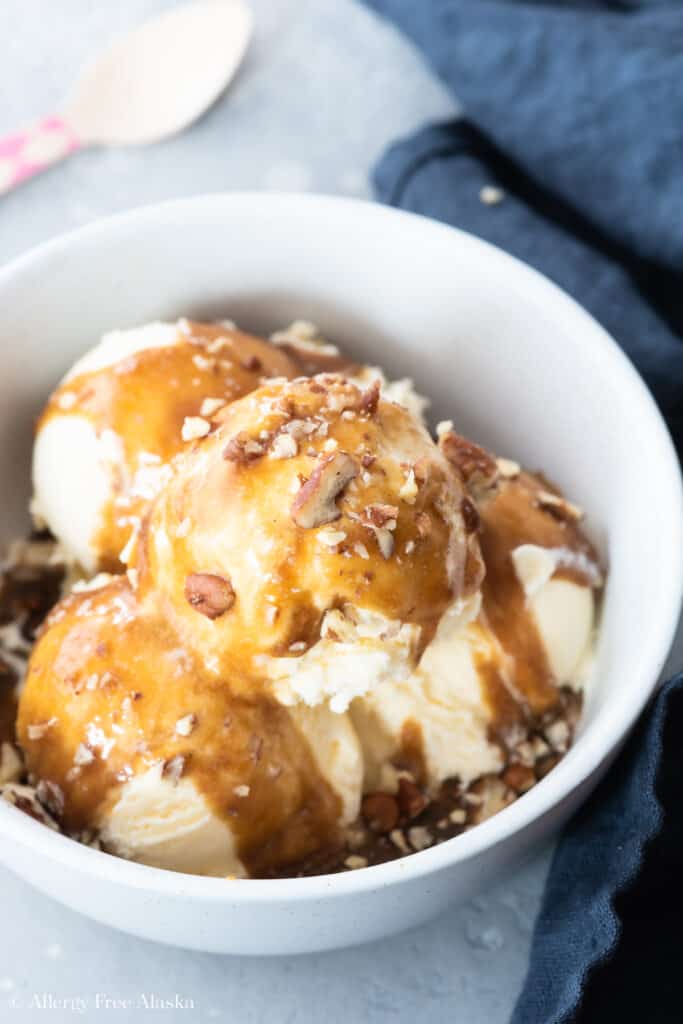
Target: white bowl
(513, 360)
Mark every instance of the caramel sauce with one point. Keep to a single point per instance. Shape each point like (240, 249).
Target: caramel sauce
(508, 710)
(107, 672)
(512, 516)
(145, 398)
(119, 669)
(284, 576)
(411, 750)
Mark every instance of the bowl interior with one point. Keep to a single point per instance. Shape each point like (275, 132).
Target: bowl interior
(508, 357)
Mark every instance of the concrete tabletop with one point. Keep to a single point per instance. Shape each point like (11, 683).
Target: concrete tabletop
(325, 86)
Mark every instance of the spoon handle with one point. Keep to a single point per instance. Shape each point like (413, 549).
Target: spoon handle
(24, 154)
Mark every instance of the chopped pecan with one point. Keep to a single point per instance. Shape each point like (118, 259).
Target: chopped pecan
(474, 463)
(385, 541)
(209, 594)
(186, 725)
(37, 730)
(83, 755)
(284, 446)
(25, 799)
(420, 837)
(243, 449)
(314, 503)
(173, 768)
(421, 469)
(519, 777)
(507, 468)
(411, 800)
(399, 840)
(354, 861)
(194, 427)
(408, 491)
(380, 811)
(51, 797)
(558, 734)
(559, 507)
(379, 515)
(369, 399)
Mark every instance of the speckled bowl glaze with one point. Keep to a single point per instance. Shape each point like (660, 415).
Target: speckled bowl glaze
(502, 351)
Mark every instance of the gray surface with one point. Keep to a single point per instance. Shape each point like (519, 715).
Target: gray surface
(462, 969)
(325, 86)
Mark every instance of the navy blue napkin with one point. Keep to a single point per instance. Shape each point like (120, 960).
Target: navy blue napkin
(571, 158)
(607, 943)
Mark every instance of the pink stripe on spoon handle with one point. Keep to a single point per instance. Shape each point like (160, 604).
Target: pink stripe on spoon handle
(26, 153)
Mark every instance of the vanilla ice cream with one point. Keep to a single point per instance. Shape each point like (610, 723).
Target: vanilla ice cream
(120, 415)
(501, 662)
(170, 766)
(315, 512)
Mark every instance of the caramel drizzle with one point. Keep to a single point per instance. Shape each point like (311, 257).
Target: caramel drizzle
(144, 400)
(523, 684)
(103, 663)
(413, 585)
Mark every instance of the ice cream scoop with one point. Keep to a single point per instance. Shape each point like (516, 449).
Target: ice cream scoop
(315, 512)
(495, 674)
(171, 766)
(123, 411)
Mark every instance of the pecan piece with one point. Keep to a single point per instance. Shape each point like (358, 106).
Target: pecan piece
(173, 768)
(369, 399)
(385, 541)
(24, 798)
(243, 449)
(209, 594)
(379, 515)
(410, 798)
(519, 777)
(380, 811)
(51, 797)
(421, 469)
(186, 725)
(476, 465)
(314, 503)
(559, 507)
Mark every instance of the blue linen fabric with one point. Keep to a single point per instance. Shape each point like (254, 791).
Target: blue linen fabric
(574, 111)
